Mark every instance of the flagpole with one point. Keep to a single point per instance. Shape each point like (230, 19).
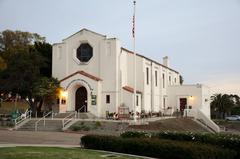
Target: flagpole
(134, 51)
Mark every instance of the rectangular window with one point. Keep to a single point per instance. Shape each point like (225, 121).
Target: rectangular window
(164, 103)
(163, 76)
(136, 100)
(107, 98)
(147, 72)
(156, 79)
(175, 80)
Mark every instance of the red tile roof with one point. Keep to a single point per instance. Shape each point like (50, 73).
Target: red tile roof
(130, 89)
(84, 74)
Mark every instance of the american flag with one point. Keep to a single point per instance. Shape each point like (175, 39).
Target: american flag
(133, 29)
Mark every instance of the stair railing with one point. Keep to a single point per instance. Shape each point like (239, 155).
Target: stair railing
(44, 119)
(23, 117)
(69, 118)
(81, 108)
(207, 121)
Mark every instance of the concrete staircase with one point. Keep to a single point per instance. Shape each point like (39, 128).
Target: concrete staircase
(54, 124)
(50, 125)
(87, 115)
(62, 115)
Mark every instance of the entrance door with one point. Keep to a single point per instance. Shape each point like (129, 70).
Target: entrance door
(183, 104)
(81, 99)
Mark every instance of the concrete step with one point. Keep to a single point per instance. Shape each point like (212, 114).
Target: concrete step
(62, 115)
(50, 125)
(87, 115)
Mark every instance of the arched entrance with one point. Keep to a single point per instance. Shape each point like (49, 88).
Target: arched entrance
(81, 99)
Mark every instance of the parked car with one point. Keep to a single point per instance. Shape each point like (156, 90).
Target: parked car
(233, 118)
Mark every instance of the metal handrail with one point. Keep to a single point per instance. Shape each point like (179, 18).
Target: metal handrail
(68, 120)
(78, 111)
(21, 118)
(43, 118)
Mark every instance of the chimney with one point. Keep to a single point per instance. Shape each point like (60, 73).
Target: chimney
(166, 61)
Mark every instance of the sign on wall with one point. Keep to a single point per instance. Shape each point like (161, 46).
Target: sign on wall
(94, 99)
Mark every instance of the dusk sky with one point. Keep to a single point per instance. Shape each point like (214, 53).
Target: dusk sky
(201, 37)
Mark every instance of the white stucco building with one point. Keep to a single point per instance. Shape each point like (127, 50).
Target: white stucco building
(97, 74)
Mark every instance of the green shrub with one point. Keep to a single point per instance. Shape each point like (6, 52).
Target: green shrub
(97, 124)
(222, 140)
(158, 148)
(134, 134)
(79, 127)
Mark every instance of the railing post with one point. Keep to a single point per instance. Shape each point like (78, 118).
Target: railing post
(44, 121)
(36, 126)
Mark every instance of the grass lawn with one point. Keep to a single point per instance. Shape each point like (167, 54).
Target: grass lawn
(54, 153)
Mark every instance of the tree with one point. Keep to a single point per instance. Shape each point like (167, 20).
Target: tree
(28, 71)
(236, 109)
(12, 42)
(222, 105)
(45, 49)
(45, 91)
(3, 64)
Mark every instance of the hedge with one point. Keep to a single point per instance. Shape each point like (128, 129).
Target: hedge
(158, 148)
(229, 141)
(223, 140)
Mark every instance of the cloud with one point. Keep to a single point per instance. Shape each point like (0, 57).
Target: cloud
(227, 83)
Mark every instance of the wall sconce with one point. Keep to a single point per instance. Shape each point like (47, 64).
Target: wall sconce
(191, 97)
(64, 94)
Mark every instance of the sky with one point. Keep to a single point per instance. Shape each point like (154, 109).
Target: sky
(200, 37)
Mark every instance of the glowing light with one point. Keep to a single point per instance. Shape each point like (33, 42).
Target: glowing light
(64, 94)
(191, 98)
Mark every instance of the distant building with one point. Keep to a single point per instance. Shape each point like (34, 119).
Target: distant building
(97, 75)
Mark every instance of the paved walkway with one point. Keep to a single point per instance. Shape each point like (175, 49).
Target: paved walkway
(39, 138)
(46, 139)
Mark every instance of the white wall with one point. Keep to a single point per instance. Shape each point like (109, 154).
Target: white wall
(115, 67)
(197, 96)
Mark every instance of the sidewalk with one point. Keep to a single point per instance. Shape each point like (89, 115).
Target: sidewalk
(41, 138)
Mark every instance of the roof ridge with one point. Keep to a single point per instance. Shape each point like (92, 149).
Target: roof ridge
(131, 52)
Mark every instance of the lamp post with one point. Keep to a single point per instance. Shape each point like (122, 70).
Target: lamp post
(32, 99)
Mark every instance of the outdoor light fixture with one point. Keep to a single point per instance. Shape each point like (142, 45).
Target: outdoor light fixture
(64, 94)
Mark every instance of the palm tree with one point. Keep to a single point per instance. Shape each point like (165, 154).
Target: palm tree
(222, 104)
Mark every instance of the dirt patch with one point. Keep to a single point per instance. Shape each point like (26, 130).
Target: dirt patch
(176, 124)
(116, 128)
(97, 127)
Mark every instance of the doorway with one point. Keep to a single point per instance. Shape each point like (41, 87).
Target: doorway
(81, 99)
(183, 104)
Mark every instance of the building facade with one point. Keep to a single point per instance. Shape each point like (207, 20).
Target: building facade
(97, 74)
